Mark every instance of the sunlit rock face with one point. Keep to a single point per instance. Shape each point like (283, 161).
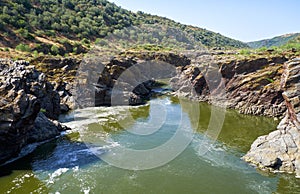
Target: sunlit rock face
(279, 151)
(262, 86)
(252, 86)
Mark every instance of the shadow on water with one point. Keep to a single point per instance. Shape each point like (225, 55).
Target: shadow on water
(65, 151)
(62, 152)
(29, 173)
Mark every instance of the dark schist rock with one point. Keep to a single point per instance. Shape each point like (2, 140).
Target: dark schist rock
(123, 81)
(250, 86)
(266, 86)
(28, 107)
(61, 73)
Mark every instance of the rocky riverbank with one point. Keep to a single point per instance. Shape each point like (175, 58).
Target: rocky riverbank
(252, 86)
(269, 86)
(262, 86)
(33, 95)
(280, 150)
(29, 108)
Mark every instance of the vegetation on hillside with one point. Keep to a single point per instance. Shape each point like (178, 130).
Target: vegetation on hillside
(71, 26)
(286, 45)
(274, 42)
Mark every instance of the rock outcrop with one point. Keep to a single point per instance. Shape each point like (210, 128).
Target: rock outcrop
(28, 106)
(250, 86)
(91, 81)
(280, 150)
(263, 86)
(126, 79)
(61, 73)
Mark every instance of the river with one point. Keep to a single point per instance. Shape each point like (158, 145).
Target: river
(67, 164)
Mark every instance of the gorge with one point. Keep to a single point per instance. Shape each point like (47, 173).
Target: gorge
(95, 98)
(262, 86)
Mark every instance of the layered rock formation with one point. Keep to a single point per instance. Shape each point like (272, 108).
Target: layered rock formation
(250, 86)
(259, 86)
(280, 150)
(263, 86)
(28, 106)
(126, 79)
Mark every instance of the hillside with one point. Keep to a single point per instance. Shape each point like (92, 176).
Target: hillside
(71, 26)
(276, 41)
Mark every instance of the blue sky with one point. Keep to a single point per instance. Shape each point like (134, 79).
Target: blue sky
(245, 20)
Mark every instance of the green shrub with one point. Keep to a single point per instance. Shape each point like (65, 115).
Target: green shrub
(245, 52)
(35, 53)
(2, 24)
(25, 34)
(50, 33)
(63, 41)
(23, 48)
(85, 41)
(100, 42)
(75, 50)
(262, 49)
(291, 46)
(270, 80)
(54, 50)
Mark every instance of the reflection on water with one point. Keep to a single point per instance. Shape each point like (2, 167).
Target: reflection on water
(66, 165)
(238, 130)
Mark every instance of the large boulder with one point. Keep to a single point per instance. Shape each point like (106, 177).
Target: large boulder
(24, 94)
(279, 150)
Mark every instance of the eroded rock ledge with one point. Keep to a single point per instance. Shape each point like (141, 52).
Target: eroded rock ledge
(29, 106)
(262, 86)
(280, 150)
(250, 86)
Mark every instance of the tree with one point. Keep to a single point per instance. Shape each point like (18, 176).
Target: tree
(2, 24)
(68, 4)
(23, 48)
(54, 50)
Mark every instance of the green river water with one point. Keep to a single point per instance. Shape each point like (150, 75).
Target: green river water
(66, 164)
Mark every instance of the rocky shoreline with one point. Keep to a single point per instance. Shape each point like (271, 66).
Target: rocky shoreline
(251, 86)
(280, 150)
(268, 87)
(31, 101)
(29, 108)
